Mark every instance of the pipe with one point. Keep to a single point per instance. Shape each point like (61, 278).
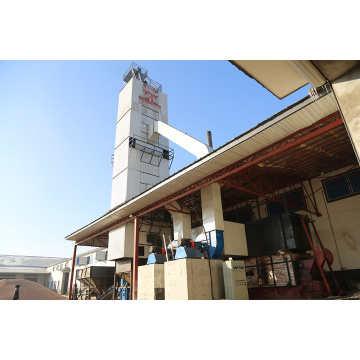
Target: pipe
(209, 138)
(135, 259)
(72, 273)
(187, 142)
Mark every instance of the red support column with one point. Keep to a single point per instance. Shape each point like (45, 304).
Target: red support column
(317, 258)
(72, 273)
(135, 259)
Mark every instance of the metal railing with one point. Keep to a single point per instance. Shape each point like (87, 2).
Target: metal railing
(152, 148)
(128, 74)
(135, 69)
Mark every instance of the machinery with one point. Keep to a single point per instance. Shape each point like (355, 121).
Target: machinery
(206, 245)
(156, 252)
(235, 280)
(278, 266)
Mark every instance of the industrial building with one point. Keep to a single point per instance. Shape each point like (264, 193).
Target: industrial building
(93, 272)
(33, 268)
(272, 214)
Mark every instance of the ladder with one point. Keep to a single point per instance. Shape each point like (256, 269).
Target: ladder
(171, 253)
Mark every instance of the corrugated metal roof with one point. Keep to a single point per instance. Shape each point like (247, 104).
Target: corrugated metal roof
(22, 270)
(27, 261)
(301, 114)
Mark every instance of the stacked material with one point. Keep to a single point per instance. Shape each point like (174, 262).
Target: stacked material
(273, 270)
(29, 290)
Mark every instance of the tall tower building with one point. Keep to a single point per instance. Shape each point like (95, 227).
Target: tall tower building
(138, 162)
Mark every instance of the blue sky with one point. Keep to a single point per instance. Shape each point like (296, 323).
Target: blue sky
(57, 133)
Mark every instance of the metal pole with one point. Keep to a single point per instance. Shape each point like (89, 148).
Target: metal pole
(72, 273)
(340, 292)
(318, 261)
(135, 259)
(166, 253)
(209, 138)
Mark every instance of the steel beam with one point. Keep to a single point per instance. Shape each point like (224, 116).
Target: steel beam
(72, 273)
(135, 259)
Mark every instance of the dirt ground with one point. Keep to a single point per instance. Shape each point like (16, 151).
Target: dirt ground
(29, 290)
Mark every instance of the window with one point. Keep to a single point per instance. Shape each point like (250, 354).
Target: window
(295, 197)
(341, 187)
(90, 259)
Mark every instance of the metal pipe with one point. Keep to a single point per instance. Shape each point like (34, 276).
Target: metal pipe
(135, 259)
(166, 252)
(72, 273)
(209, 138)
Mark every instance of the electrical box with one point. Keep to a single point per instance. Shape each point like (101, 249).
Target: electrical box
(235, 280)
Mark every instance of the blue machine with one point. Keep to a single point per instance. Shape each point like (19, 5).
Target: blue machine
(208, 245)
(156, 259)
(216, 243)
(188, 252)
(124, 290)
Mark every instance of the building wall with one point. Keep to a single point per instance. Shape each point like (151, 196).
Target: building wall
(339, 226)
(39, 278)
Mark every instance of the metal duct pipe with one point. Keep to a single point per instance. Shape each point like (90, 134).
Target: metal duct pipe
(181, 217)
(209, 138)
